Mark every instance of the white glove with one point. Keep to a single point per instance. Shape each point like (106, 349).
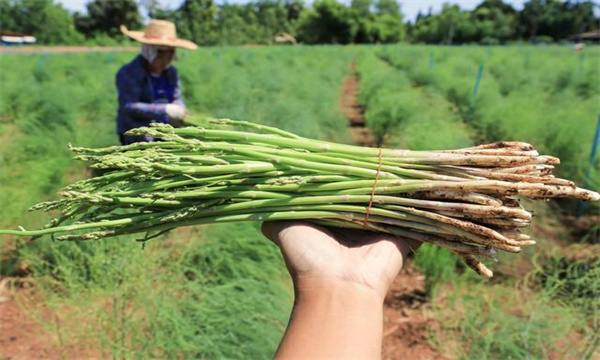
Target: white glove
(175, 112)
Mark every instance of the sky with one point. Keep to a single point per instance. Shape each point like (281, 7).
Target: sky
(410, 8)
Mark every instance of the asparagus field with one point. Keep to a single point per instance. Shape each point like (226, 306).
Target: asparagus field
(219, 290)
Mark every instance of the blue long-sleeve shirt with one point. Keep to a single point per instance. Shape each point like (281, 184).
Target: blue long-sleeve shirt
(137, 105)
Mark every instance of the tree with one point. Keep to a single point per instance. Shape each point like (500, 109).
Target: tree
(173, 16)
(583, 18)
(294, 9)
(531, 17)
(388, 29)
(495, 20)
(363, 21)
(448, 27)
(50, 23)
(233, 29)
(106, 16)
(388, 22)
(329, 22)
(390, 7)
(361, 7)
(198, 21)
(257, 22)
(425, 30)
(563, 19)
(449, 20)
(556, 19)
(273, 17)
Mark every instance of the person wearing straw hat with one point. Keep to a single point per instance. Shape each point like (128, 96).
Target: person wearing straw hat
(149, 86)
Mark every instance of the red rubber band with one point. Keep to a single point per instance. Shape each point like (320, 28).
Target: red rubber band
(374, 186)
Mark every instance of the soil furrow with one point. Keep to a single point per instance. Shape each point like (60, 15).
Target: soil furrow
(406, 307)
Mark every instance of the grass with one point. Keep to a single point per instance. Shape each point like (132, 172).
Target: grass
(220, 293)
(506, 321)
(550, 311)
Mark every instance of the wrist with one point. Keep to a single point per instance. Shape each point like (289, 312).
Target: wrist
(333, 318)
(309, 287)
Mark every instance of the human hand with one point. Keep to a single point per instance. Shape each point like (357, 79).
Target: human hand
(357, 258)
(340, 279)
(175, 112)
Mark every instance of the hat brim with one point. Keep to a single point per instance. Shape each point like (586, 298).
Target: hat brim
(139, 37)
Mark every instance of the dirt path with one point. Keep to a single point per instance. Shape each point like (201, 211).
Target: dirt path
(406, 307)
(353, 111)
(407, 319)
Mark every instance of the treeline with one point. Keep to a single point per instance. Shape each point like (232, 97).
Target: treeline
(494, 21)
(325, 22)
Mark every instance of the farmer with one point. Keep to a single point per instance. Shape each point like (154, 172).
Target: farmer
(149, 87)
(339, 289)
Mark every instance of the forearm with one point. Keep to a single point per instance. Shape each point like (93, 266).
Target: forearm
(333, 319)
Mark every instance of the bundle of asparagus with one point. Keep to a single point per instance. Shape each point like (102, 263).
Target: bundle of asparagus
(463, 199)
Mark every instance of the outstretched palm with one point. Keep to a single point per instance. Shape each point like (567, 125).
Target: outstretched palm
(367, 259)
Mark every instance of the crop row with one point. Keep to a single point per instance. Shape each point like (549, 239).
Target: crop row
(545, 96)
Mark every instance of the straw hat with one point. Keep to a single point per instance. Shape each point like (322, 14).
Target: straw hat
(159, 32)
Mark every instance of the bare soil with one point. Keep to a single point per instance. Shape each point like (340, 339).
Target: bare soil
(22, 337)
(351, 108)
(407, 319)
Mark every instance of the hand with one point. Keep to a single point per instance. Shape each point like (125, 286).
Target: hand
(340, 279)
(316, 254)
(176, 112)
